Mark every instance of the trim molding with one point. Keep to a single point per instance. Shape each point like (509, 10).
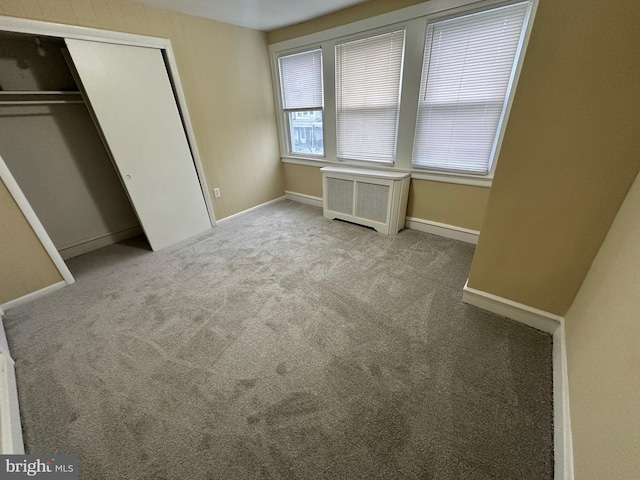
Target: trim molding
(94, 243)
(52, 29)
(4, 345)
(473, 181)
(11, 441)
(443, 230)
(303, 198)
(307, 162)
(533, 317)
(427, 226)
(32, 296)
(562, 437)
(553, 324)
(421, 174)
(34, 222)
(249, 210)
(172, 67)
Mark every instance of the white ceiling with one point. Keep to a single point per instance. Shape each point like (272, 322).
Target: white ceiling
(256, 14)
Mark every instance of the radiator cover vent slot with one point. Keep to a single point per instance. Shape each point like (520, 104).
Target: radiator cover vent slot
(372, 201)
(340, 195)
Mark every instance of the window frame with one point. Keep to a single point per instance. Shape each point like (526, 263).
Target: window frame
(284, 123)
(511, 87)
(413, 20)
(289, 132)
(363, 36)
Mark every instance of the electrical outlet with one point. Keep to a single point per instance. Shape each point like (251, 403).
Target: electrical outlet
(216, 193)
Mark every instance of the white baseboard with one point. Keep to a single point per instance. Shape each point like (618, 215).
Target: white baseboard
(562, 438)
(34, 222)
(32, 296)
(545, 321)
(249, 210)
(11, 442)
(303, 198)
(443, 229)
(95, 243)
(550, 323)
(4, 345)
(419, 224)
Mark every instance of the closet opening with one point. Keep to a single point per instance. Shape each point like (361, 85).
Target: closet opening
(55, 151)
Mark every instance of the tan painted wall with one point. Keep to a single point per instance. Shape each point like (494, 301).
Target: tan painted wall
(348, 15)
(459, 205)
(303, 179)
(602, 332)
(569, 156)
(24, 264)
(227, 81)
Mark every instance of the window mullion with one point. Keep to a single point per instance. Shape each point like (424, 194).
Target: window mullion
(329, 83)
(414, 51)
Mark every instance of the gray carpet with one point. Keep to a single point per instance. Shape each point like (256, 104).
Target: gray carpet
(283, 345)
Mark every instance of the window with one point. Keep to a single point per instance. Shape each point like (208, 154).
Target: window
(424, 89)
(368, 74)
(466, 75)
(302, 101)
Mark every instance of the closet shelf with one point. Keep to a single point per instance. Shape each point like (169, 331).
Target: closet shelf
(38, 102)
(40, 97)
(38, 92)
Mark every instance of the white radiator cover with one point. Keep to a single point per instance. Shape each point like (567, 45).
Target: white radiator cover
(375, 198)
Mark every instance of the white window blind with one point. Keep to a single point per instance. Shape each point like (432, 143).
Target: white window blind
(466, 75)
(368, 74)
(301, 80)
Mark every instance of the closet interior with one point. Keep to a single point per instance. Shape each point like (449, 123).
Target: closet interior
(55, 152)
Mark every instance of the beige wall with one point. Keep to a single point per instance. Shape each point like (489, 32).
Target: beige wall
(303, 179)
(226, 77)
(460, 205)
(342, 17)
(24, 264)
(570, 153)
(602, 332)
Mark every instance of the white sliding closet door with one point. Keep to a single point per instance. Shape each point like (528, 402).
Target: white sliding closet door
(132, 98)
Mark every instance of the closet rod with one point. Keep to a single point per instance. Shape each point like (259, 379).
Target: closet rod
(37, 102)
(38, 92)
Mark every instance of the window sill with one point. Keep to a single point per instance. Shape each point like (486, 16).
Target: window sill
(471, 180)
(431, 176)
(310, 162)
